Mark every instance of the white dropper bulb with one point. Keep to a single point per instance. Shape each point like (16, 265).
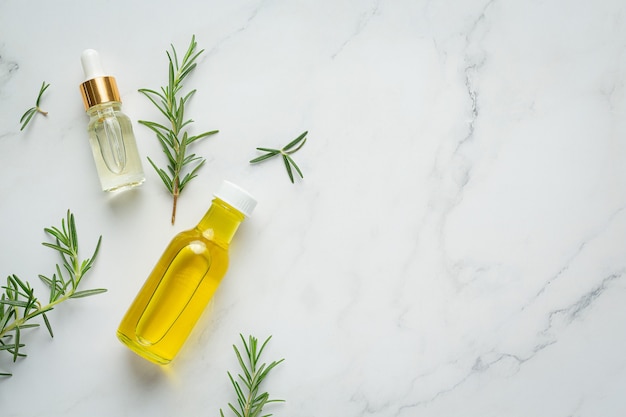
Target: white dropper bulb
(91, 64)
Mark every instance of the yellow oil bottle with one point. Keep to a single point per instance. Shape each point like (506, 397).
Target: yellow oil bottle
(184, 279)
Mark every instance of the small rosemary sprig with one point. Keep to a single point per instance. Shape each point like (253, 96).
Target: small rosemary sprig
(181, 167)
(18, 303)
(250, 401)
(28, 115)
(286, 152)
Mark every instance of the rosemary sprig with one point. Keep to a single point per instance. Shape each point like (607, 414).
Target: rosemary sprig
(250, 402)
(30, 113)
(18, 303)
(286, 152)
(181, 167)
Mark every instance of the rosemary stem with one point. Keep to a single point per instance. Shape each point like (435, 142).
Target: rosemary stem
(77, 273)
(175, 194)
(18, 303)
(181, 167)
(19, 322)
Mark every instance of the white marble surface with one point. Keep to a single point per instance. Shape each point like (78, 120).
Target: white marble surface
(456, 248)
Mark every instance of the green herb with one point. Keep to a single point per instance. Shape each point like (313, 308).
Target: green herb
(18, 303)
(250, 402)
(26, 118)
(286, 153)
(181, 167)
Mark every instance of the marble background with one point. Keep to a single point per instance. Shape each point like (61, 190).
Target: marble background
(456, 248)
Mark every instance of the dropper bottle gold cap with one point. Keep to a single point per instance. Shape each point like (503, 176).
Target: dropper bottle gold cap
(99, 88)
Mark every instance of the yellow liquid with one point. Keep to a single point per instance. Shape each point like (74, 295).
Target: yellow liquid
(177, 291)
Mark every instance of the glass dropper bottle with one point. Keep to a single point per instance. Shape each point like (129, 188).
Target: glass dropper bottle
(110, 131)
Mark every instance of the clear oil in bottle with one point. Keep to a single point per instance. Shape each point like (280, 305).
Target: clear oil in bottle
(110, 131)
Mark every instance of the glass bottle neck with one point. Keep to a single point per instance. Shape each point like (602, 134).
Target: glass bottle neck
(110, 105)
(220, 223)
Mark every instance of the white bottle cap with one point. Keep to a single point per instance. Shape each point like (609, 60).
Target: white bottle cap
(92, 67)
(237, 197)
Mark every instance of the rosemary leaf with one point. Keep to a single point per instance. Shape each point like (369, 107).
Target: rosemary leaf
(293, 163)
(87, 293)
(45, 319)
(29, 326)
(16, 345)
(263, 157)
(295, 141)
(288, 167)
(14, 303)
